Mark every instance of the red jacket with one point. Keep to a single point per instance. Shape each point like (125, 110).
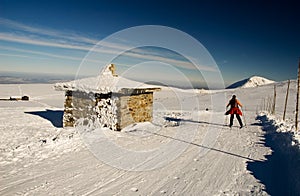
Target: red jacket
(234, 107)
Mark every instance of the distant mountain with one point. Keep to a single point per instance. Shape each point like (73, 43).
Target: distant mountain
(251, 82)
(31, 78)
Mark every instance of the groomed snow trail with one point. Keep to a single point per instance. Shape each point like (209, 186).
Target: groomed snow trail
(38, 158)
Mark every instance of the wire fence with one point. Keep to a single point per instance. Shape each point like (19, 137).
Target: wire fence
(268, 104)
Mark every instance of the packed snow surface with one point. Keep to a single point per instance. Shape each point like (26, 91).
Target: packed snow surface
(191, 151)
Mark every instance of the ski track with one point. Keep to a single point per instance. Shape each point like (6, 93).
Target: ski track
(66, 166)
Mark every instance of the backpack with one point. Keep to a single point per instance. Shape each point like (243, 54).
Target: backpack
(233, 103)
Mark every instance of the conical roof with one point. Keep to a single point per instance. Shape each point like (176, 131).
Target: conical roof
(105, 83)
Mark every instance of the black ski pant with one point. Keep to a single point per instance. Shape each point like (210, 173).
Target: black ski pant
(238, 118)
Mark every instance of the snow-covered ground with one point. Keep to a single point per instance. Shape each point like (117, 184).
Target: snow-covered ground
(200, 156)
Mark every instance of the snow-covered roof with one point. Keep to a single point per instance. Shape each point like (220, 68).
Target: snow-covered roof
(105, 83)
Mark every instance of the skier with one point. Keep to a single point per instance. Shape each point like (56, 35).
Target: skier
(234, 110)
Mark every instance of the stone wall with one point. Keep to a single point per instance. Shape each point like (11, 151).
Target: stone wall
(134, 108)
(106, 111)
(68, 119)
(112, 111)
(78, 105)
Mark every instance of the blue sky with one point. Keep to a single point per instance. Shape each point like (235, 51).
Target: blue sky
(245, 38)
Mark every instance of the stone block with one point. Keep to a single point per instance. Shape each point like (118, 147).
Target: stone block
(116, 111)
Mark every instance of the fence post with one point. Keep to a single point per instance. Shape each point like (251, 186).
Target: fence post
(274, 101)
(297, 99)
(270, 105)
(286, 99)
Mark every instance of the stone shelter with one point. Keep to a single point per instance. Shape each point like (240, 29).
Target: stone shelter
(109, 100)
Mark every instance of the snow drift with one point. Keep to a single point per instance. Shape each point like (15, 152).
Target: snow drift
(253, 81)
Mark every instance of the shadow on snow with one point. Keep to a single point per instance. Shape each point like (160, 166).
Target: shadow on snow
(202, 146)
(54, 116)
(280, 173)
(199, 145)
(192, 121)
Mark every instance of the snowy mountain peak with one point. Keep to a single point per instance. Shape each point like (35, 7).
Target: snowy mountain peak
(253, 81)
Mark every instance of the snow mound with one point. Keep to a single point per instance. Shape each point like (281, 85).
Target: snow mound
(253, 81)
(285, 127)
(141, 128)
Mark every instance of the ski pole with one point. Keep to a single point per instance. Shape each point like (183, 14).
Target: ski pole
(244, 116)
(226, 117)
